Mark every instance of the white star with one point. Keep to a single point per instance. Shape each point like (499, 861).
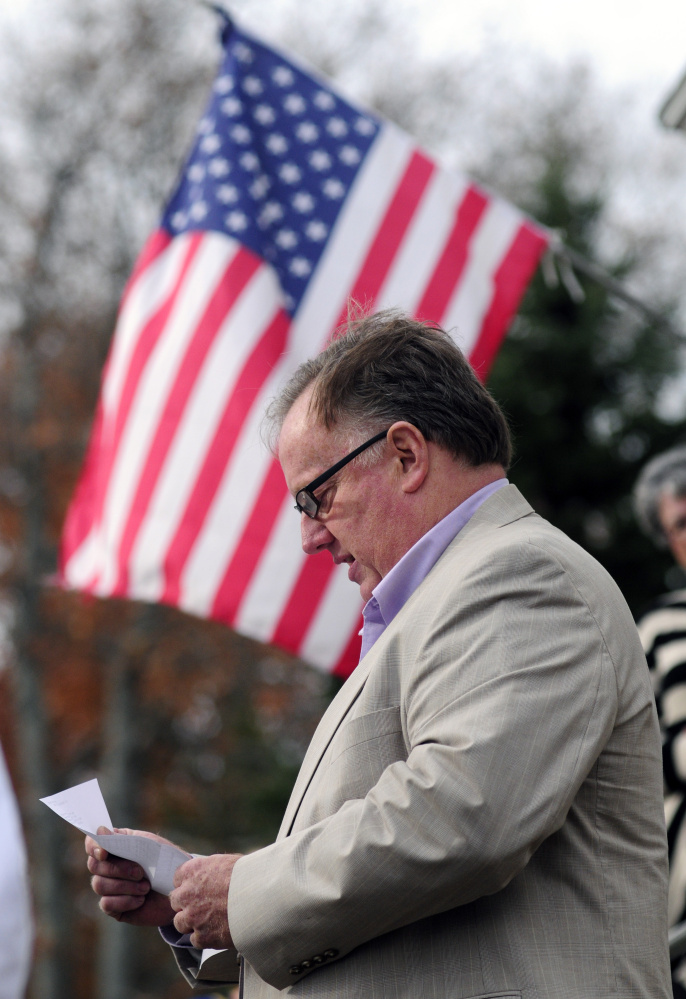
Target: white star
(236, 221)
(290, 173)
(227, 194)
(264, 113)
(239, 133)
(300, 266)
(336, 127)
(206, 125)
(277, 144)
(198, 211)
(286, 239)
(231, 107)
(324, 100)
(178, 220)
(243, 52)
(316, 230)
(364, 126)
(350, 155)
(259, 187)
(211, 143)
(294, 104)
(320, 160)
(250, 162)
(271, 212)
(307, 131)
(218, 167)
(303, 202)
(253, 85)
(223, 84)
(282, 76)
(333, 188)
(196, 173)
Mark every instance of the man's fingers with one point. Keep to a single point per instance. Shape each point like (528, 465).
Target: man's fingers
(119, 905)
(122, 870)
(181, 923)
(116, 886)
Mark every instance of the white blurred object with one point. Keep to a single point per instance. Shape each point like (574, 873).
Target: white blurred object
(16, 924)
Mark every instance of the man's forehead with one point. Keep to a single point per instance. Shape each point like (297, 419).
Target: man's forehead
(304, 443)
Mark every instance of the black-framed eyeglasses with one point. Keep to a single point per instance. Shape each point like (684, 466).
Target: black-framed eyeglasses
(305, 500)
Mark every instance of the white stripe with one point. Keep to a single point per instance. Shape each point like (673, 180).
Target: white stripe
(424, 243)
(156, 381)
(661, 622)
(83, 563)
(255, 309)
(237, 496)
(333, 625)
(275, 576)
(145, 297)
(355, 230)
(474, 294)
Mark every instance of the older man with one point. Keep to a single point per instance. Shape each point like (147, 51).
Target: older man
(480, 810)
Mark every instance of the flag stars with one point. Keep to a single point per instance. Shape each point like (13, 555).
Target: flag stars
(303, 202)
(282, 76)
(277, 144)
(253, 85)
(316, 230)
(286, 239)
(324, 100)
(198, 211)
(300, 266)
(320, 160)
(218, 167)
(206, 125)
(249, 161)
(307, 131)
(236, 221)
(244, 53)
(294, 104)
(223, 84)
(264, 114)
(241, 134)
(196, 173)
(290, 173)
(350, 155)
(211, 143)
(271, 212)
(179, 220)
(364, 126)
(231, 107)
(227, 194)
(259, 187)
(333, 188)
(336, 127)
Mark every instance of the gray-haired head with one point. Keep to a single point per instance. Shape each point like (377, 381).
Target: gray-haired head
(664, 475)
(388, 367)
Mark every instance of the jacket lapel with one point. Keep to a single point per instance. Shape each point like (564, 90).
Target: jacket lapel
(336, 712)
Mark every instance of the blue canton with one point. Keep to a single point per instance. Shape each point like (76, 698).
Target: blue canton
(275, 155)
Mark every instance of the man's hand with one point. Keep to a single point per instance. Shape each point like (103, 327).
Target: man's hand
(200, 899)
(125, 892)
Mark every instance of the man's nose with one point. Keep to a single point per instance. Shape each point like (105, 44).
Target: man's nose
(315, 536)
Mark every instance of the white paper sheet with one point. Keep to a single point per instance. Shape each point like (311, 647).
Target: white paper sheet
(84, 807)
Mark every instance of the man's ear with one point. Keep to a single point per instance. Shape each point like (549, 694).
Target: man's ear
(412, 454)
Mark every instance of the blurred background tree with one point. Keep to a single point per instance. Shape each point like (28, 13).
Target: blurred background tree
(194, 731)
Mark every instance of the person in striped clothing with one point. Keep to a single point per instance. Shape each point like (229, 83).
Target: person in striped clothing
(660, 504)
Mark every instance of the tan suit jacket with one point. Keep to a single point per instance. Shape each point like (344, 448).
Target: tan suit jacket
(480, 810)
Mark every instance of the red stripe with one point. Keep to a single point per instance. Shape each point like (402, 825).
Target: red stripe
(390, 234)
(448, 272)
(253, 542)
(350, 656)
(510, 281)
(147, 340)
(229, 287)
(303, 604)
(249, 383)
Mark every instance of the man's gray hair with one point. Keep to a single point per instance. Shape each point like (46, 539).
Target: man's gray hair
(388, 367)
(664, 475)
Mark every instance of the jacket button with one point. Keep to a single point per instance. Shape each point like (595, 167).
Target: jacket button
(318, 959)
(295, 970)
(329, 954)
(304, 965)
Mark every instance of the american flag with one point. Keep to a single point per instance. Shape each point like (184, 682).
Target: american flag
(293, 202)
